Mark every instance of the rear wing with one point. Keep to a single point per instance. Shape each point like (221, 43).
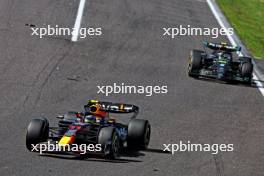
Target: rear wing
(222, 47)
(113, 107)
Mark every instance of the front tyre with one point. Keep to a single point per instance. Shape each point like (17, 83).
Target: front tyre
(109, 140)
(195, 63)
(37, 131)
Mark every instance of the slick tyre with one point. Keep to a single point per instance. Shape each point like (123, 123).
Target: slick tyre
(109, 140)
(138, 134)
(195, 63)
(245, 59)
(37, 131)
(247, 70)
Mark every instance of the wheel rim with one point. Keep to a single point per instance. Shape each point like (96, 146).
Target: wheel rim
(147, 136)
(190, 65)
(115, 145)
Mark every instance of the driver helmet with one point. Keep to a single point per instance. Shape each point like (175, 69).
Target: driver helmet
(94, 108)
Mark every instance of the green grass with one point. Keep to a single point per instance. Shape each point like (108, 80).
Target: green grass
(247, 18)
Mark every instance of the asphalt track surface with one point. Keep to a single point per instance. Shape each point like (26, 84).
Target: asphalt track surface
(36, 81)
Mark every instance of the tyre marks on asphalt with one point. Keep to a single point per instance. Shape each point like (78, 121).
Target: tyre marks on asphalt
(43, 77)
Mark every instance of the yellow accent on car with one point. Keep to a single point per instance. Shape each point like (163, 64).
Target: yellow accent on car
(93, 101)
(65, 140)
(121, 107)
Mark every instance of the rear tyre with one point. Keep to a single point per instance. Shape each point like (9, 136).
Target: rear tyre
(195, 63)
(109, 140)
(37, 131)
(245, 59)
(246, 71)
(138, 134)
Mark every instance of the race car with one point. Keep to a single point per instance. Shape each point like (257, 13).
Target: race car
(220, 64)
(93, 126)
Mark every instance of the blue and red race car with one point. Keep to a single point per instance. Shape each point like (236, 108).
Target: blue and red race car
(93, 126)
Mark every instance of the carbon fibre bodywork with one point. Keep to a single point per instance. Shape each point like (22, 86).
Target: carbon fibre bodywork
(220, 64)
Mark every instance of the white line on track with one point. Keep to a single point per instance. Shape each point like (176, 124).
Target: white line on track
(232, 40)
(78, 21)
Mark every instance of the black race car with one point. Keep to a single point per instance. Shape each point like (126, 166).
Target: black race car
(220, 64)
(93, 126)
